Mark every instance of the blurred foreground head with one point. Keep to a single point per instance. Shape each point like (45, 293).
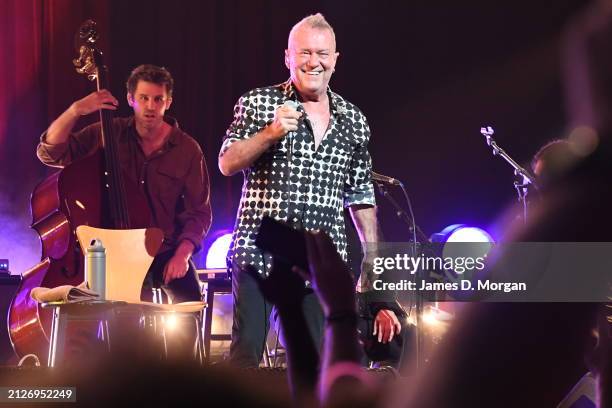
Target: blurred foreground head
(587, 68)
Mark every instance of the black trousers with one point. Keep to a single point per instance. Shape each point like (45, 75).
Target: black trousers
(251, 320)
(184, 289)
(180, 343)
(391, 354)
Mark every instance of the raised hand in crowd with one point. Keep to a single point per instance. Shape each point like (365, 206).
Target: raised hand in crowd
(330, 276)
(286, 290)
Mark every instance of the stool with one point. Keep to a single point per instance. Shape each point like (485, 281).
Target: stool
(154, 314)
(103, 311)
(213, 286)
(159, 297)
(271, 357)
(99, 310)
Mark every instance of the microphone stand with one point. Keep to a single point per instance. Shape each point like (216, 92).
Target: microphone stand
(414, 229)
(399, 211)
(524, 178)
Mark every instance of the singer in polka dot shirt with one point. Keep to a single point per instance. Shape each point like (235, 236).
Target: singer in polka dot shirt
(303, 151)
(294, 181)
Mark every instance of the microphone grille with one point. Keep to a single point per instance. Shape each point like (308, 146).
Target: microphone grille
(291, 104)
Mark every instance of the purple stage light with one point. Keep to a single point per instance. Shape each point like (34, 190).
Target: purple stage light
(215, 257)
(462, 233)
(19, 243)
(453, 241)
(469, 234)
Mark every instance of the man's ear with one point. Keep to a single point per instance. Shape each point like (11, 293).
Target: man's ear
(130, 99)
(287, 58)
(336, 55)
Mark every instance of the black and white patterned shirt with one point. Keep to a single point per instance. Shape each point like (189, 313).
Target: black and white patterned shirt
(294, 182)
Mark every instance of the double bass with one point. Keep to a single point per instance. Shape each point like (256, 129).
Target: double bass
(90, 191)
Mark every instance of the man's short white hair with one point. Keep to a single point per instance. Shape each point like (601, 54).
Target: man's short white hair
(312, 21)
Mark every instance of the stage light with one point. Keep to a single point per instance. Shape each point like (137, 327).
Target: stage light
(435, 322)
(462, 233)
(433, 316)
(470, 234)
(459, 242)
(430, 317)
(215, 257)
(170, 321)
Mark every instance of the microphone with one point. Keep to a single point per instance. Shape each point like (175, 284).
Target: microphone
(385, 179)
(291, 104)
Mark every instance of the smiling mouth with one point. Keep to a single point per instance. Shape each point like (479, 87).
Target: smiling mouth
(312, 73)
(149, 116)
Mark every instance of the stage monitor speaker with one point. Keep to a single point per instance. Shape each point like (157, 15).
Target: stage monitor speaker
(8, 287)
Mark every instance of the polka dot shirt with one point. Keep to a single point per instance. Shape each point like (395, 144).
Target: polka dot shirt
(293, 181)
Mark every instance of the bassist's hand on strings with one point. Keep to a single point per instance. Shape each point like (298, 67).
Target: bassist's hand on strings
(59, 130)
(93, 102)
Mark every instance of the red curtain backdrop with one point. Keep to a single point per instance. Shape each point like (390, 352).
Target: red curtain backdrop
(21, 54)
(37, 82)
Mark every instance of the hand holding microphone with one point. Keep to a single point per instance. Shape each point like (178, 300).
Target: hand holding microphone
(285, 119)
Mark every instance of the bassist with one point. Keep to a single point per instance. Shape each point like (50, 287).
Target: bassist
(165, 162)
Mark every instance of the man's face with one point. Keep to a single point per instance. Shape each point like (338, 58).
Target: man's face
(311, 58)
(150, 101)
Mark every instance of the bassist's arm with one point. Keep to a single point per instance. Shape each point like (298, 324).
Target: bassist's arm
(54, 149)
(60, 128)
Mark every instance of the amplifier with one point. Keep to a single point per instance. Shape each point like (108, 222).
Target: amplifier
(8, 287)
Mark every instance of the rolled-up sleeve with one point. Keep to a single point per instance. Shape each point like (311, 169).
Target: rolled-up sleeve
(245, 122)
(79, 144)
(358, 189)
(195, 220)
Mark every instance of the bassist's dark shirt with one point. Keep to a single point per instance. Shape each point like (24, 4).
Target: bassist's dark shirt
(174, 179)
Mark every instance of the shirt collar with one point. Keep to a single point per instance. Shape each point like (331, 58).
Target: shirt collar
(337, 103)
(172, 139)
